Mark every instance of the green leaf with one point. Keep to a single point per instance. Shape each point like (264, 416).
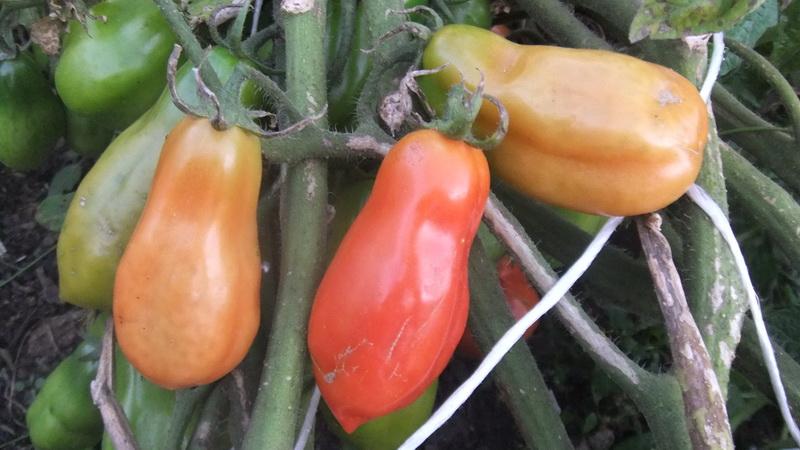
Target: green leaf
(50, 213)
(750, 30)
(671, 19)
(65, 179)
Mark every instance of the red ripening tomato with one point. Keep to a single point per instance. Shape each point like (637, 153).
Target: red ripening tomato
(520, 298)
(186, 293)
(393, 303)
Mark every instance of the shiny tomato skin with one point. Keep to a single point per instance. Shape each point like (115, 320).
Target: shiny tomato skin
(590, 130)
(393, 303)
(520, 298)
(186, 293)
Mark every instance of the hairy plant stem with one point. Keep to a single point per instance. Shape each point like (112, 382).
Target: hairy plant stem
(765, 201)
(658, 396)
(712, 283)
(776, 151)
(528, 397)
(278, 410)
(183, 32)
(773, 75)
(559, 22)
(705, 408)
(211, 415)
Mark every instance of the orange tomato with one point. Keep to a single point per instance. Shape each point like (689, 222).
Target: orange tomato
(186, 293)
(393, 303)
(590, 130)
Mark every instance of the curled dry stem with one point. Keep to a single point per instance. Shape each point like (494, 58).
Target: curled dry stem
(172, 71)
(501, 130)
(707, 419)
(396, 107)
(217, 120)
(114, 419)
(297, 126)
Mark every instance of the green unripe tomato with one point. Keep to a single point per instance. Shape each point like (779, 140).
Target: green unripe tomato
(31, 117)
(477, 13)
(63, 415)
(111, 196)
(115, 69)
(87, 135)
(389, 431)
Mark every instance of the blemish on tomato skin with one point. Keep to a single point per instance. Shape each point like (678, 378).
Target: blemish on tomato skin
(667, 97)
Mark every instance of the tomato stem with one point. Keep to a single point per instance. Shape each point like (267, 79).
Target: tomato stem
(277, 409)
(558, 21)
(518, 376)
(189, 42)
(774, 77)
(658, 396)
(759, 196)
(775, 151)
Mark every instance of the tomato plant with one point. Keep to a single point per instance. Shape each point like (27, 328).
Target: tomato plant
(186, 293)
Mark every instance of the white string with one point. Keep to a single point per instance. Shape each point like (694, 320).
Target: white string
(256, 17)
(704, 201)
(308, 421)
(713, 67)
(561, 287)
(707, 204)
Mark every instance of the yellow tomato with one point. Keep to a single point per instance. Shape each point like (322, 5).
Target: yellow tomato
(590, 130)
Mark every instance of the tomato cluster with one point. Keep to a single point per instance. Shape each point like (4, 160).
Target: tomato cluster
(163, 229)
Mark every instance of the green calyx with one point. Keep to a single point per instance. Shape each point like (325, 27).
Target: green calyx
(461, 109)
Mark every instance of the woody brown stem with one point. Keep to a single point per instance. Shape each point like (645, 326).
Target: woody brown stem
(707, 419)
(117, 425)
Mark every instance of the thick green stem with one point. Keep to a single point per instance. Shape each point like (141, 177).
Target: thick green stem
(657, 396)
(769, 129)
(765, 201)
(773, 75)
(527, 395)
(325, 144)
(712, 282)
(209, 421)
(278, 409)
(558, 21)
(189, 42)
(187, 401)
